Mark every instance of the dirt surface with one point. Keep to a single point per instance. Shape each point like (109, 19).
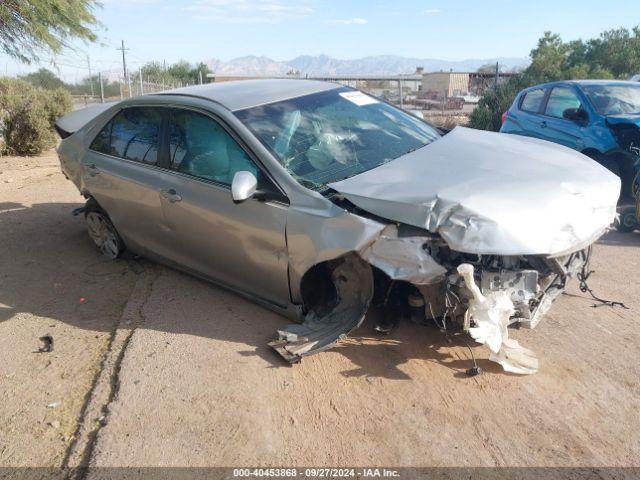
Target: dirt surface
(153, 367)
(51, 283)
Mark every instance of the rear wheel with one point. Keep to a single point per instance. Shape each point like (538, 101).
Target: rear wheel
(102, 231)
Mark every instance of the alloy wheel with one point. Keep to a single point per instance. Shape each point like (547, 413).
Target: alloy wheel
(103, 234)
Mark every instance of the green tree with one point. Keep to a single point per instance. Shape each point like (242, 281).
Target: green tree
(111, 89)
(29, 28)
(154, 72)
(200, 68)
(487, 115)
(43, 78)
(617, 51)
(181, 72)
(548, 59)
(490, 68)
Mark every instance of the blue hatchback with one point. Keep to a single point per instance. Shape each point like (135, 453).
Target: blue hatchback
(599, 118)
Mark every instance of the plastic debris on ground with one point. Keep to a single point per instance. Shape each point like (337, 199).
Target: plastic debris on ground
(490, 314)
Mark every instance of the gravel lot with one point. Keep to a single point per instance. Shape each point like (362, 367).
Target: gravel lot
(153, 367)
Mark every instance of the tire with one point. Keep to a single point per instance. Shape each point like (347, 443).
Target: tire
(619, 167)
(102, 231)
(608, 163)
(627, 220)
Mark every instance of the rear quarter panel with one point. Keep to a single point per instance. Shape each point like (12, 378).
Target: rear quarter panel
(70, 153)
(73, 149)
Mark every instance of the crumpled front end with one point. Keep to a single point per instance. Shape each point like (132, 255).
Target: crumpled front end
(415, 275)
(491, 193)
(474, 232)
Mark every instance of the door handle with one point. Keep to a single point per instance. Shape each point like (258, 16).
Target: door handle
(171, 195)
(543, 124)
(93, 170)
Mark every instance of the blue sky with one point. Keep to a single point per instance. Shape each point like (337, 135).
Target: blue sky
(282, 29)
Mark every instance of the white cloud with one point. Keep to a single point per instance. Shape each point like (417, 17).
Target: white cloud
(248, 11)
(432, 11)
(348, 21)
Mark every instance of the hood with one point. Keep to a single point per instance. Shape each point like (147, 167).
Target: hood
(624, 119)
(493, 193)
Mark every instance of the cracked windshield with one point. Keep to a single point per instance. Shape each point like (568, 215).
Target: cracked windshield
(329, 136)
(614, 99)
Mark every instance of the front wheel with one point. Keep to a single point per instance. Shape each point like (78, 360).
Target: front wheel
(627, 220)
(102, 231)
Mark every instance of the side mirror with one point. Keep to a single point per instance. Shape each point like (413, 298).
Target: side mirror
(243, 186)
(575, 115)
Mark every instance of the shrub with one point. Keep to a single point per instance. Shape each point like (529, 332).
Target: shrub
(493, 103)
(56, 103)
(27, 116)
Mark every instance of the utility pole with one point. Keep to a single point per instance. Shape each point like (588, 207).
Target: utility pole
(495, 82)
(90, 76)
(164, 73)
(124, 66)
(141, 87)
(101, 87)
(200, 76)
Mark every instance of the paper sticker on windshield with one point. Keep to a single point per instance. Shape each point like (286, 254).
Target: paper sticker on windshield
(358, 98)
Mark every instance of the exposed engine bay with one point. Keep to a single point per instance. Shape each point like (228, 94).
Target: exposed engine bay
(467, 246)
(625, 162)
(417, 277)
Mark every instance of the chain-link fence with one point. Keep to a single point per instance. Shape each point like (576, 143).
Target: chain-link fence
(109, 88)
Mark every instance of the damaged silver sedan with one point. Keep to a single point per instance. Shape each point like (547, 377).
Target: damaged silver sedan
(318, 200)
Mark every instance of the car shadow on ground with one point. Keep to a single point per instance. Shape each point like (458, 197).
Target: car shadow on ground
(620, 239)
(383, 357)
(52, 270)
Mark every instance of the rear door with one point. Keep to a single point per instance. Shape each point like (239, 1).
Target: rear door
(121, 169)
(559, 129)
(528, 120)
(241, 245)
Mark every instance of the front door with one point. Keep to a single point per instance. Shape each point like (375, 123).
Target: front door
(241, 245)
(559, 129)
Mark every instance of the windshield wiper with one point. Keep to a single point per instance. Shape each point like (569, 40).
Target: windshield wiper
(412, 150)
(309, 184)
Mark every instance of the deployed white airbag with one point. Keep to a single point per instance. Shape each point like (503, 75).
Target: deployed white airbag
(490, 314)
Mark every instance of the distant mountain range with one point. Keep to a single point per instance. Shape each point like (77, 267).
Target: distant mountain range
(375, 65)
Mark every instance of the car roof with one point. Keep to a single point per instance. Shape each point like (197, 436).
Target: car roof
(584, 83)
(241, 94)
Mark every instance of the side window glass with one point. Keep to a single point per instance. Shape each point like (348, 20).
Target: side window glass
(532, 101)
(199, 146)
(132, 134)
(102, 141)
(561, 98)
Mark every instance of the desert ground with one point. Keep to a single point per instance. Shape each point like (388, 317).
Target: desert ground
(152, 367)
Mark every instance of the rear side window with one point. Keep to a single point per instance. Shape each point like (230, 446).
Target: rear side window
(561, 98)
(133, 134)
(200, 146)
(532, 101)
